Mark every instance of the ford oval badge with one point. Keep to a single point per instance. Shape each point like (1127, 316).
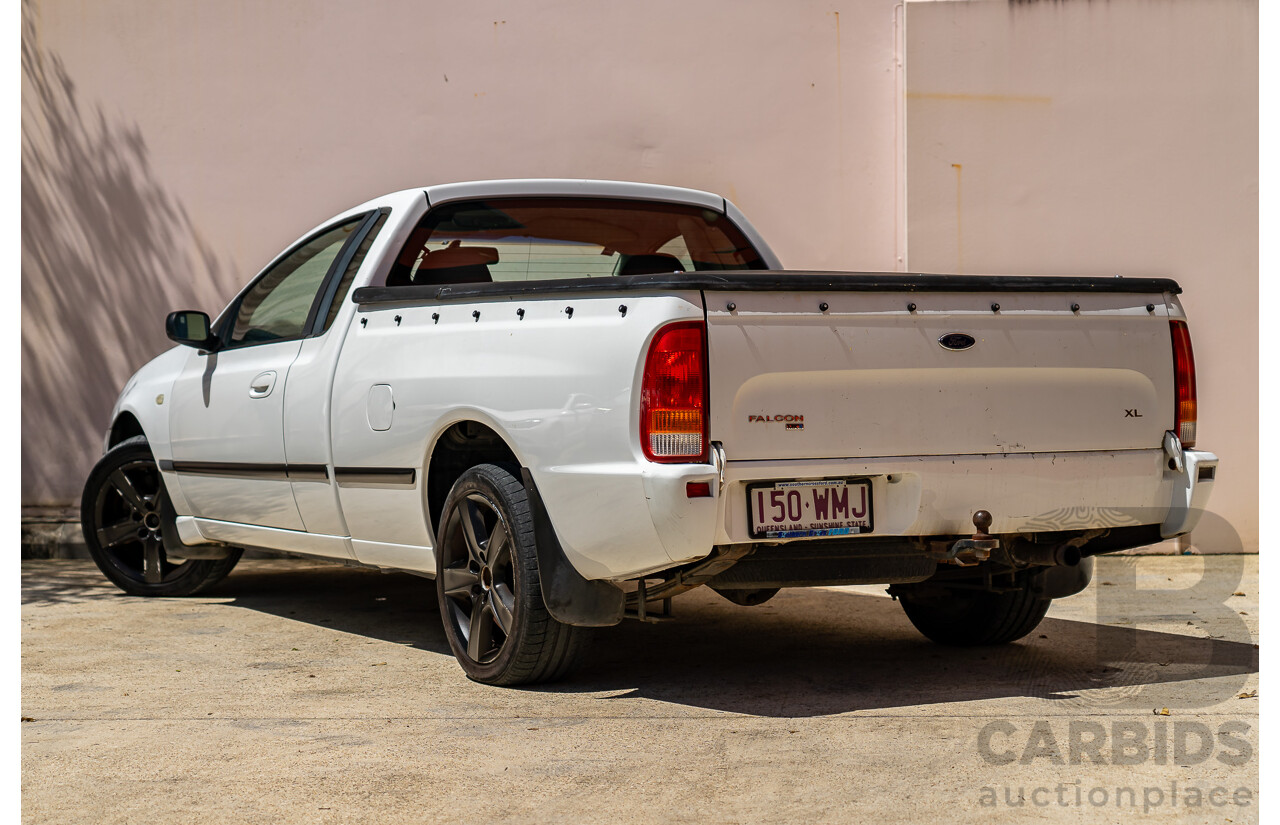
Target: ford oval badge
(957, 341)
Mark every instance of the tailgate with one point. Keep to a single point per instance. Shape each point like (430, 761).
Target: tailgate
(869, 377)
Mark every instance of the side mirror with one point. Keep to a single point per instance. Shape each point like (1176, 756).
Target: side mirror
(190, 328)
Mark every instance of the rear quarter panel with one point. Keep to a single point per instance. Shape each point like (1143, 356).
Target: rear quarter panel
(558, 386)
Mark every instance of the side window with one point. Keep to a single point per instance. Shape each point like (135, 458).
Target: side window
(352, 268)
(277, 306)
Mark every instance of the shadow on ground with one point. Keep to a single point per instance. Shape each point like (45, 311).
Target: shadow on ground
(808, 652)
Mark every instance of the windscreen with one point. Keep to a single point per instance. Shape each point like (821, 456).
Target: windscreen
(536, 239)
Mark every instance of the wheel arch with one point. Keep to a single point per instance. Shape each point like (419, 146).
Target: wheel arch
(471, 439)
(460, 445)
(126, 425)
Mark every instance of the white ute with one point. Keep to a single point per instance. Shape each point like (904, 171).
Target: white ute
(567, 401)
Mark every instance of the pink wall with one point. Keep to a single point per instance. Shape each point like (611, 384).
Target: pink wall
(1104, 138)
(170, 149)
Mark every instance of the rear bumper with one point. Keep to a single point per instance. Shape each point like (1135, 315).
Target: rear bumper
(1025, 493)
(620, 521)
(1189, 493)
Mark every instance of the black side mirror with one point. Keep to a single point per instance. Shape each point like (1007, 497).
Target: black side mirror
(190, 328)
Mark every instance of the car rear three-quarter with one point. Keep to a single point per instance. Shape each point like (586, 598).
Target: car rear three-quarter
(569, 401)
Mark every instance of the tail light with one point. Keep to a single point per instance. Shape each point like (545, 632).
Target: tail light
(1184, 381)
(673, 395)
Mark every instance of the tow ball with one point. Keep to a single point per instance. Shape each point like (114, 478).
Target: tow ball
(969, 552)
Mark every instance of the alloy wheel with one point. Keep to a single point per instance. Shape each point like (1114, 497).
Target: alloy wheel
(128, 522)
(477, 577)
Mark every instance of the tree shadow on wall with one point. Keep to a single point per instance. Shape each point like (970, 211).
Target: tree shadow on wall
(106, 253)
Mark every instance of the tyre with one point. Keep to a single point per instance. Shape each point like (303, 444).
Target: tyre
(121, 515)
(970, 618)
(487, 584)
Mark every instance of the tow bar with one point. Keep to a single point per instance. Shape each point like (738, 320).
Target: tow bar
(968, 552)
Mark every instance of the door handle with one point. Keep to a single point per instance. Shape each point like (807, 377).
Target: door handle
(261, 386)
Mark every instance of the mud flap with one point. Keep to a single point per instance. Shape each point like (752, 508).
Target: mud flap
(569, 597)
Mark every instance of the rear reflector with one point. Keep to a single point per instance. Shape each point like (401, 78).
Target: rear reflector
(698, 489)
(1184, 380)
(673, 396)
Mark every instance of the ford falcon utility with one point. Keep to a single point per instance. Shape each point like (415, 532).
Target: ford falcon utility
(568, 401)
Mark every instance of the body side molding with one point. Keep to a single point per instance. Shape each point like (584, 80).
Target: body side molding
(235, 469)
(375, 476)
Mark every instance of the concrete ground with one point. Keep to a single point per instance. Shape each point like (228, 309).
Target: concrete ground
(297, 692)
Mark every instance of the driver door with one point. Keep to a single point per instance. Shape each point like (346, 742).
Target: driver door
(226, 422)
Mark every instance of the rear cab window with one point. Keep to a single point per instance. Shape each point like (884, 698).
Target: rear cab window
(537, 239)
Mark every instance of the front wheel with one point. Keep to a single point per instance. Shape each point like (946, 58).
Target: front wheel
(121, 514)
(488, 586)
(971, 618)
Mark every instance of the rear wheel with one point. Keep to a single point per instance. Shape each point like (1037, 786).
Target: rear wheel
(121, 514)
(488, 586)
(970, 618)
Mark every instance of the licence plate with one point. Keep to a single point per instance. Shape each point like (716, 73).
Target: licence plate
(796, 509)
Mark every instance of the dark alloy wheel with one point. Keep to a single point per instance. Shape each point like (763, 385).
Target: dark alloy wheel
(122, 514)
(478, 579)
(487, 583)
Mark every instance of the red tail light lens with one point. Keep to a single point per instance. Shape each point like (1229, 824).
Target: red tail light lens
(1184, 380)
(673, 395)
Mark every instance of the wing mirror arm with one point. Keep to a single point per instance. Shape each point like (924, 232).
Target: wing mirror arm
(191, 328)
